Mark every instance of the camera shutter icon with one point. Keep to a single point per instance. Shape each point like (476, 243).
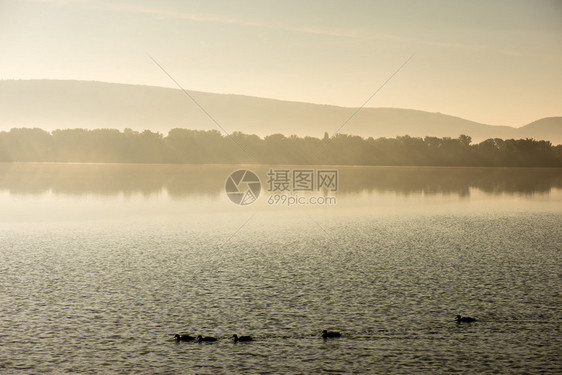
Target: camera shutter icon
(243, 187)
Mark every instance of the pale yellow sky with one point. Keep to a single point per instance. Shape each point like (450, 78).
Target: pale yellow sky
(496, 62)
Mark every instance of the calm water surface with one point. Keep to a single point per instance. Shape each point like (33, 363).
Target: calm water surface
(100, 265)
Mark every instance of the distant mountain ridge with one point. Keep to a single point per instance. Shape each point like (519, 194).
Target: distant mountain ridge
(56, 104)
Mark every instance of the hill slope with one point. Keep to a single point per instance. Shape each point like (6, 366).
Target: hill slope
(52, 104)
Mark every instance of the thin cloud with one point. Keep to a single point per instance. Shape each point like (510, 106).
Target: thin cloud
(164, 13)
(310, 30)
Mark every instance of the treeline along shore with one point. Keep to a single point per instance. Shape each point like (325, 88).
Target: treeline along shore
(212, 147)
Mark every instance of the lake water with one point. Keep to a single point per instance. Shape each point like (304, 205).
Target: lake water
(100, 265)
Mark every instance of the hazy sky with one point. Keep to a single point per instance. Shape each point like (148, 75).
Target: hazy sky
(497, 62)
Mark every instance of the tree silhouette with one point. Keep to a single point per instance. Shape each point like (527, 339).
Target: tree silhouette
(197, 146)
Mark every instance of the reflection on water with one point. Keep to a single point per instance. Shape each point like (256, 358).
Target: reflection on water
(208, 180)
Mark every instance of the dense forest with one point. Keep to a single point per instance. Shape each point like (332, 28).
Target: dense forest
(211, 147)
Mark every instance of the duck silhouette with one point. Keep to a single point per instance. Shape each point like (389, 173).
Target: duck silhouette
(242, 338)
(184, 337)
(465, 319)
(205, 339)
(326, 334)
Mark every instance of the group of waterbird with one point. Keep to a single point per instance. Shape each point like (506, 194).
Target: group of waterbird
(200, 338)
(325, 334)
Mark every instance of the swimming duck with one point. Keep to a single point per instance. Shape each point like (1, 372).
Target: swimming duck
(326, 334)
(184, 337)
(205, 339)
(465, 319)
(241, 338)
